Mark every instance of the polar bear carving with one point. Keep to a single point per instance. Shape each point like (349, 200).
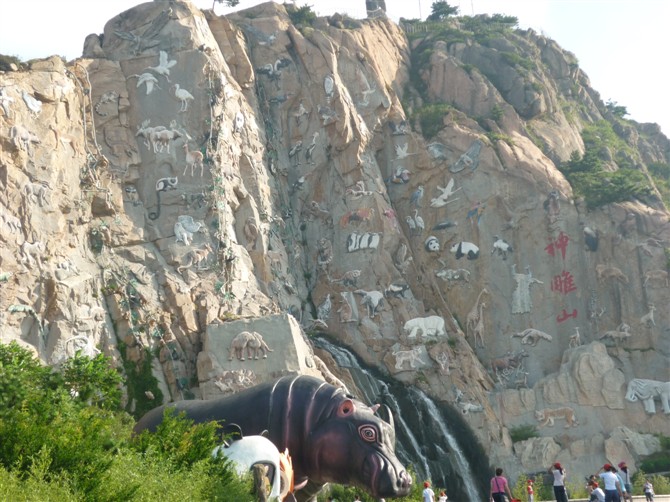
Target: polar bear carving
(432, 325)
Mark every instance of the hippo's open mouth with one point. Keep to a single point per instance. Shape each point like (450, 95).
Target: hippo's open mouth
(381, 478)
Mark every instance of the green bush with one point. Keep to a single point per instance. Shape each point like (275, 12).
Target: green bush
(431, 118)
(301, 16)
(63, 437)
(523, 432)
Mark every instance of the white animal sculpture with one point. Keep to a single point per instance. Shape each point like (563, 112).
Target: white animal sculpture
(431, 325)
(450, 274)
(34, 105)
(575, 340)
(160, 138)
(251, 342)
(147, 79)
(185, 227)
(615, 335)
(182, 95)
(164, 65)
(647, 391)
(410, 356)
(479, 328)
(648, 318)
(23, 138)
(5, 101)
(36, 193)
(532, 336)
(448, 191)
(372, 300)
(473, 316)
(32, 252)
(193, 160)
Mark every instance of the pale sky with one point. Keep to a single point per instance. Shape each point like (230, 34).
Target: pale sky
(621, 44)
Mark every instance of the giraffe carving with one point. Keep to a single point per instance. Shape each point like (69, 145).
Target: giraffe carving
(473, 316)
(479, 328)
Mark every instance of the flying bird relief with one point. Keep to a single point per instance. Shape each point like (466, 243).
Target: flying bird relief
(469, 159)
(5, 101)
(448, 191)
(329, 87)
(164, 65)
(33, 104)
(148, 79)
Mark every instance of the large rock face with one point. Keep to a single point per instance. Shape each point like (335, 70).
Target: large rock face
(193, 177)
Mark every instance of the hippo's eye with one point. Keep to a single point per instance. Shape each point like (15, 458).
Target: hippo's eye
(368, 433)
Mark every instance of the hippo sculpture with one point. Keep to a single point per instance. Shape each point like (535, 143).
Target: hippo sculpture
(331, 436)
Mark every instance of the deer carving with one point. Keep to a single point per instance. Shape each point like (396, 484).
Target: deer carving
(193, 160)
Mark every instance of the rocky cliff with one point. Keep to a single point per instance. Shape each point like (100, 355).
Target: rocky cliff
(197, 192)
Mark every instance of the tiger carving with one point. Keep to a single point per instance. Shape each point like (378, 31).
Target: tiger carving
(547, 415)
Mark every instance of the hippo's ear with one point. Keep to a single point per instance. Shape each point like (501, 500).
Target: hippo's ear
(346, 408)
(385, 414)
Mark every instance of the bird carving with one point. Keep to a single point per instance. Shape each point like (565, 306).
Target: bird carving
(420, 225)
(417, 196)
(164, 65)
(5, 101)
(329, 86)
(182, 95)
(146, 78)
(35, 105)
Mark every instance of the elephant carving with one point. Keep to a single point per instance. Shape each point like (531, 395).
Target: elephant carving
(647, 391)
(250, 341)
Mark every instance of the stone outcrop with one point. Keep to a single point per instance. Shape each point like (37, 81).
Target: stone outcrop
(194, 177)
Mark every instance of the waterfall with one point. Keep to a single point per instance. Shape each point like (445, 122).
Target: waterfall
(458, 456)
(433, 438)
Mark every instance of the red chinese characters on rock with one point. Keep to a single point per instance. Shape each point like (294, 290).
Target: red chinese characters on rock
(560, 244)
(564, 282)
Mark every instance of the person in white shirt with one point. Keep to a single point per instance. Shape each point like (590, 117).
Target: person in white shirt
(428, 494)
(596, 494)
(612, 486)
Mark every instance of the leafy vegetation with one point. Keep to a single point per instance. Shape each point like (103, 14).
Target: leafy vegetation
(301, 17)
(616, 110)
(661, 483)
(63, 437)
(523, 432)
(659, 461)
(6, 62)
(660, 173)
(441, 10)
(588, 177)
(431, 118)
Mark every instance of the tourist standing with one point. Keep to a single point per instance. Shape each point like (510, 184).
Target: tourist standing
(428, 494)
(499, 487)
(530, 491)
(626, 477)
(648, 490)
(443, 497)
(611, 485)
(559, 482)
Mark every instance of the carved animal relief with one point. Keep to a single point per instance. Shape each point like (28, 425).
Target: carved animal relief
(249, 342)
(547, 416)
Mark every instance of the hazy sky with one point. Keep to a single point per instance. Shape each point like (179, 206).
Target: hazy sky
(620, 44)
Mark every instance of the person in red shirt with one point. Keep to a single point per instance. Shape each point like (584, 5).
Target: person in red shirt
(530, 491)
